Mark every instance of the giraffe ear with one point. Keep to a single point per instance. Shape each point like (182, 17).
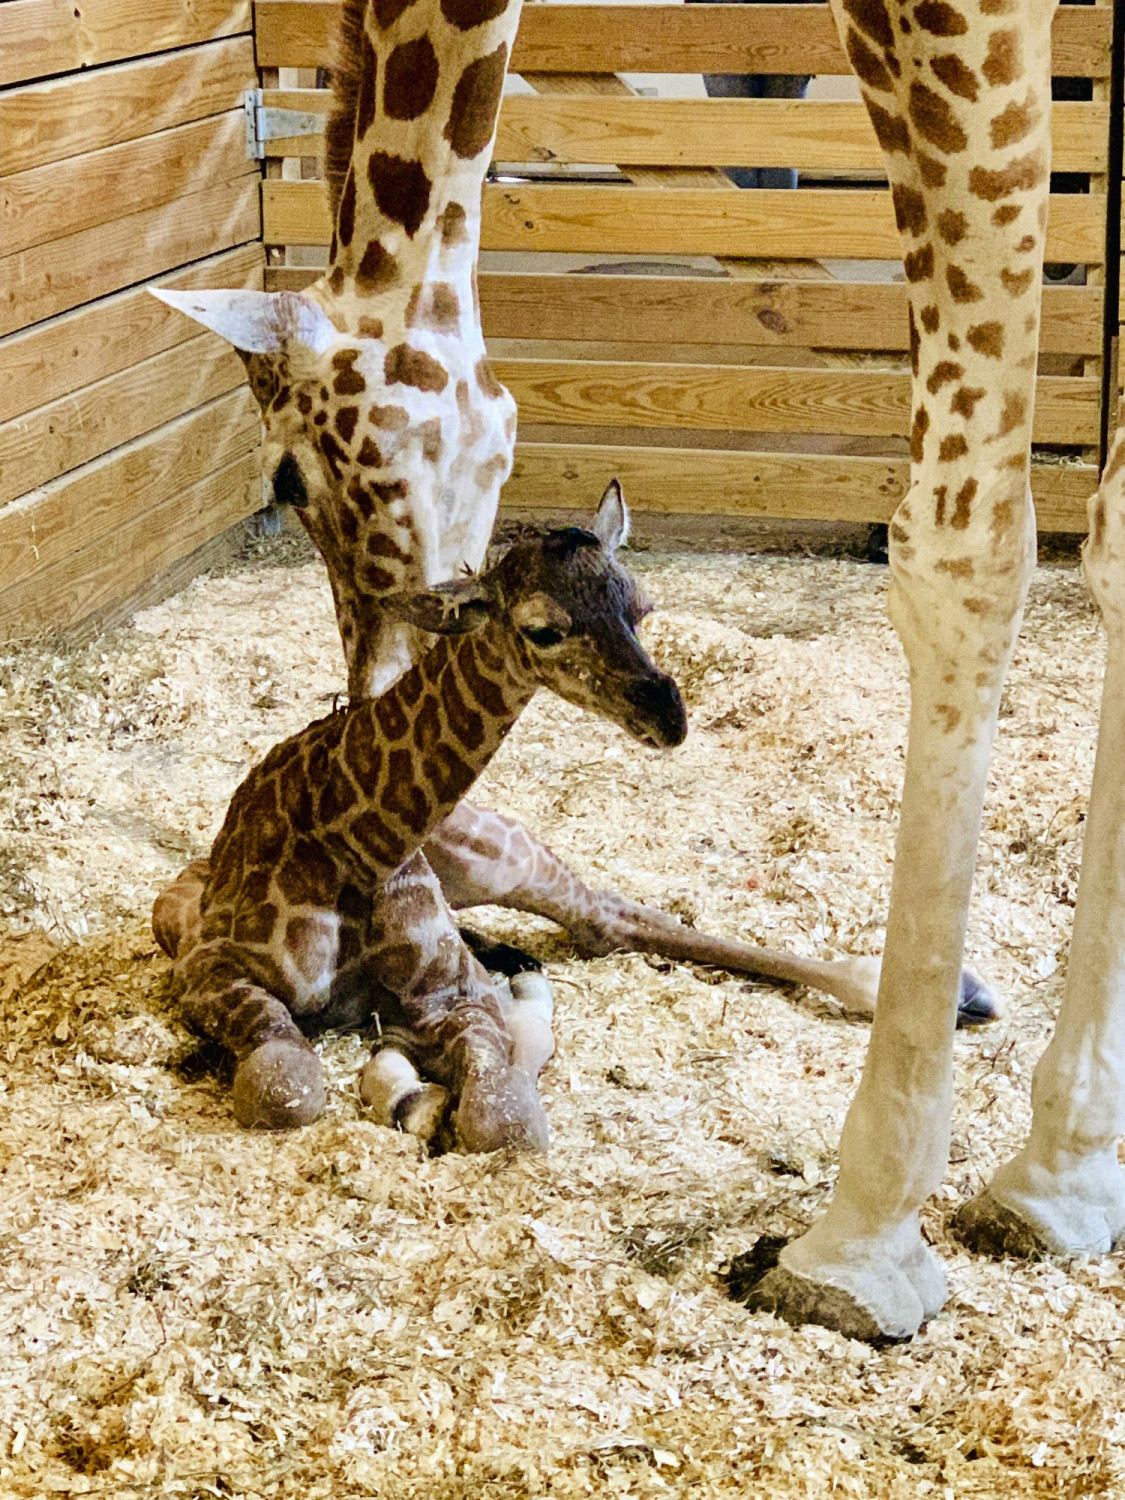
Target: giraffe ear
(611, 524)
(450, 609)
(256, 322)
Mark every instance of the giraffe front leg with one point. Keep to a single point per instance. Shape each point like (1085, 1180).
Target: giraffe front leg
(279, 1079)
(956, 601)
(1064, 1192)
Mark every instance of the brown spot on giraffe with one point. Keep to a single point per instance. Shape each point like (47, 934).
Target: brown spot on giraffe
(891, 130)
(304, 403)
(949, 715)
(337, 797)
(369, 456)
(347, 381)
(335, 456)
(932, 171)
(447, 772)
(453, 226)
(940, 19)
(940, 493)
(1013, 415)
(365, 100)
(956, 567)
(910, 209)
(934, 119)
(987, 339)
(346, 419)
(1007, 213)
(1019, 176)
(915, 341)
(464, 722)
(962, 505)
(434, 305)
(952, 226)
(337, 280)
(871, 17)
(1027, 244)
(1014, 122)
(377, 268)
(255, 924)
(919, 264)
(465, 14)
(930, 319)
(961, 289)
(390, 490)
(401, 188)
(345, 219)
(1003, 63)
(379, 544)
(945, 372)
(486, 380)
(918, 429)
(401, 797)
(476, 99)
(427, 725)
(410, 79)
(868, 66)
(952, 447)
(389, 418)
(488, 694)
(378, 579)
(491, 470)
(1016, 283)
(430, 436)
(405, 365)
(954, 342)
(370, 328)
(957, 76)
(965, 400)
(997, 7)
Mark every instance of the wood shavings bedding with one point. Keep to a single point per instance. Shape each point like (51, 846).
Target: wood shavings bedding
(190, 1310)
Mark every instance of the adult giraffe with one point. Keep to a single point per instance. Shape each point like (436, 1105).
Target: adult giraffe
(959, 93)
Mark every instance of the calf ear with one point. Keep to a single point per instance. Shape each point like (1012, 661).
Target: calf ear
(611, 524)
(450, 609)
(256, 322)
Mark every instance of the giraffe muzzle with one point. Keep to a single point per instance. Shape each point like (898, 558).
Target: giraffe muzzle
(660, 717)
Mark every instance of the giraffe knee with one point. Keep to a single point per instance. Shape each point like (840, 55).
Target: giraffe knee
(278, 1085)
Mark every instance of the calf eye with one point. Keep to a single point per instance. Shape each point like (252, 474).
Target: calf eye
(289, 484)
(543, 636)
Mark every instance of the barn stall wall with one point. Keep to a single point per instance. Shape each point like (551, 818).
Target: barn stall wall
(127, 439)
(732, 388)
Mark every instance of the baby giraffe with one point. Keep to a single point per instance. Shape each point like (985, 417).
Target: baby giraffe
(292, 935)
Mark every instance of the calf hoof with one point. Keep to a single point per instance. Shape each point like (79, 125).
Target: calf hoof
(277, 1086)
(502, 1109)
(979, 1003)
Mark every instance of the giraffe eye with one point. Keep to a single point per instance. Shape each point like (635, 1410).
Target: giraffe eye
(289, 483)
(544, 636)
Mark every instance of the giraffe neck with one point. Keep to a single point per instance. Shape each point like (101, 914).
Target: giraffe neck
(430, 78)
(414, 752)
(960, 100)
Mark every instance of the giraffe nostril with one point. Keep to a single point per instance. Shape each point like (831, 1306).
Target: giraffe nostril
(658, 700)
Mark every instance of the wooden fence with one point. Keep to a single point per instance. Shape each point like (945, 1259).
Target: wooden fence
(127, 438)
(731, 387)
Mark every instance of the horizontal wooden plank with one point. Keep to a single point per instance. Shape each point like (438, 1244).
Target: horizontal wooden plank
(664, 38)
(692, 481)
(90, 504)
(853, 224)
(96, 577)
(867, 315)
(85, 112)
(810, 134)
(737, 398)
(39, 38)
(65, 197)
(68, 272)
(69, 432)
(74, 350)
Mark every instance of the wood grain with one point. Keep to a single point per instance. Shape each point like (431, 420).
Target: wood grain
(51, 278)
(39, 38)
(857, 315)
(75, 350)
(86, 112)
(688, 481)
(812, 223)
(90, 504)
(141, 547)
(64, 197)
(758, 398)
(810, 134)
(664, 38)
(69, 432)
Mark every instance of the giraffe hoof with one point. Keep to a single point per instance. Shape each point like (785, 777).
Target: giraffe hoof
(501, 1109)
(278, 1086)
(979, 1003)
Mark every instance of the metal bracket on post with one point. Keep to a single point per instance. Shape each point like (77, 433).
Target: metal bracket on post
(267, 123)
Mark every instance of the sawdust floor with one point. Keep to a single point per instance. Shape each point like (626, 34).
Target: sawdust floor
(190, 1310)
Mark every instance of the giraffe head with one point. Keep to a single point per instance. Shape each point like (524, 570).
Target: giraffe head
(567, 614)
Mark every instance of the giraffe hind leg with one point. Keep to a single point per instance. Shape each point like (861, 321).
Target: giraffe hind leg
(176, 919)
(279, 1078)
